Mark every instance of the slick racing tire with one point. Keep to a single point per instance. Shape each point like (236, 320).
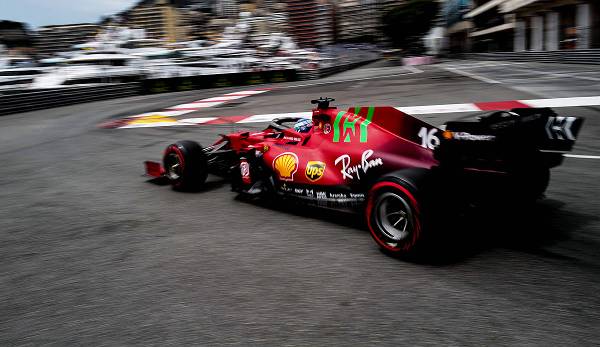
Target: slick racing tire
(185, 165)
(394, 218)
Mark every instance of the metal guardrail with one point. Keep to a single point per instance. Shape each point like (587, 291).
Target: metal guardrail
(23, 100)
(14, 101)
(579, 56)
(330, 70)
(177, 84)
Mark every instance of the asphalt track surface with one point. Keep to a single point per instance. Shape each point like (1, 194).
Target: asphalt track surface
(94, 254)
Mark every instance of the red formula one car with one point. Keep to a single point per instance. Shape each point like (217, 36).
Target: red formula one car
(397, 170)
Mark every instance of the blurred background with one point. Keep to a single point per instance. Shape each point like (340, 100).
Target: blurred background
(153, 39)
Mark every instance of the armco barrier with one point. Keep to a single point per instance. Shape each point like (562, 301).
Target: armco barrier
(579, 56)
(177, 84)
(14, 101)
(324, 72)
(28, 100)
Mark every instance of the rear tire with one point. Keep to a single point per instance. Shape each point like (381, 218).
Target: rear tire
(394, 218)
(185, 165)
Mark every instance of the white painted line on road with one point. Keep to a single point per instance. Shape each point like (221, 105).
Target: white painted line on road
(564, 102)
(197, 120)
(477, 65)
(215, 101)
(432, 109)
(581, 156)
(561, 74)
(471, 75)
(458, 68)
(413, 69)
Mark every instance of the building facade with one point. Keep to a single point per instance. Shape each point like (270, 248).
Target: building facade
(310, 22)
(555, 25)
(457, 26)
(227, 8)
(492, 29)
(160, 20)
(361, 19)
(533, 25)
(53, 39)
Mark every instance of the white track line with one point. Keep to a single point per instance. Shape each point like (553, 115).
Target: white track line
(413, 69)
(581, 156)
(458, 69)
(471, 75)
(433, 109)
(564, 102)
(561, 75)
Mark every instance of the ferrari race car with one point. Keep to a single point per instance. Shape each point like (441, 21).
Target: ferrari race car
(401, 172)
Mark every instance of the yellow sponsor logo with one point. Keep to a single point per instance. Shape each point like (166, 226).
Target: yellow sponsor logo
(151, 119)
(315, 170)
(286, 165)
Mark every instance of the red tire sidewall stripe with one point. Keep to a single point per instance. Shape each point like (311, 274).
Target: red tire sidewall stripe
(414, 205)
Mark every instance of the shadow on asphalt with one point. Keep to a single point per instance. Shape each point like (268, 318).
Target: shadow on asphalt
(528, 229)
(210, 184)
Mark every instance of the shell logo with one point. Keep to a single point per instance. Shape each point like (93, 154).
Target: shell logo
(286, 165)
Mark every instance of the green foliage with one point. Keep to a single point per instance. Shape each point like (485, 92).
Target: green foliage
(405, 25)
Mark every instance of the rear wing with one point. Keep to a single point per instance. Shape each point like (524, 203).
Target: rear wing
(507, 136)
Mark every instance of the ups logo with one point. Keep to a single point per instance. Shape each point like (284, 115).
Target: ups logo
(315, 170)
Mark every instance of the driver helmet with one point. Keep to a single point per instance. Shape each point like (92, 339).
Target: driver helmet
(303, 125)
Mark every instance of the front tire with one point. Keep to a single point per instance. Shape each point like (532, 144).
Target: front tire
(394, 218)
(185, 165)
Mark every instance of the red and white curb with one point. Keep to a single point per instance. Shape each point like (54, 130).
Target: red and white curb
(215, 101)
(166, 118)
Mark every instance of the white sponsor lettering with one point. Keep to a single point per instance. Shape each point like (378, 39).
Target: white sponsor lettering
(471, 137)
(350, 171)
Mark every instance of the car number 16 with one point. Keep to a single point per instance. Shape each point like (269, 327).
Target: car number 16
(428, 138)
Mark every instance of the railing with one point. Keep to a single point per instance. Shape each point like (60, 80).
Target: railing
(23, 100)
(327, 71)
(13, 101)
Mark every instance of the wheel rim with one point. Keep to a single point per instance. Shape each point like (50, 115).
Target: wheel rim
(394, 217)
(173, 166)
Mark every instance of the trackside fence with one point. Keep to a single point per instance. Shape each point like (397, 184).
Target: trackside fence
(15, 101)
